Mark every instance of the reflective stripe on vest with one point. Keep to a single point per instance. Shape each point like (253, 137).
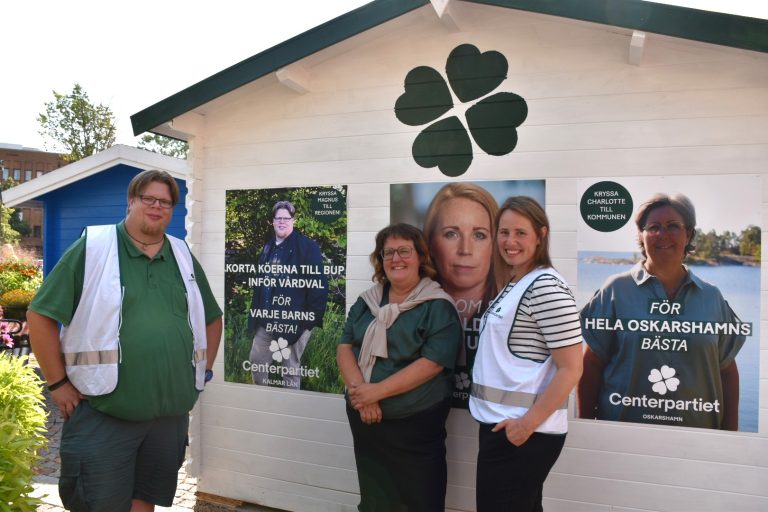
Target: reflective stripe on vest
(94, 357)
(504, 397)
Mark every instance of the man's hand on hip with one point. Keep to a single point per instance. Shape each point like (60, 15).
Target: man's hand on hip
(67, 397)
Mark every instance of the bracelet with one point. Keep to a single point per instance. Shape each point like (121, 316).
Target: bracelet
(57, 385)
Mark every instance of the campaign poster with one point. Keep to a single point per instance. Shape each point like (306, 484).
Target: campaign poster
(669, 291)
(285, 286)
(457, 219)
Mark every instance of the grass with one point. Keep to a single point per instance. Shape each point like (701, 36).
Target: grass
(320, 352)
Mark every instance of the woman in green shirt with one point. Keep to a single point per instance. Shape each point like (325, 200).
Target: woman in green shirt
(396, 356)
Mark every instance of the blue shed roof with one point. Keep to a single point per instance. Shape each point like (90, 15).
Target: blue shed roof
(96, 200)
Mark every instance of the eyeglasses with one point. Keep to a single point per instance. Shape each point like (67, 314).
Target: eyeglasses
(151, 200)
(283, 219)
(673, 228)
(403, 251)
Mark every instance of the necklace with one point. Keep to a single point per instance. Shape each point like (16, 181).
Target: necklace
(144, 245)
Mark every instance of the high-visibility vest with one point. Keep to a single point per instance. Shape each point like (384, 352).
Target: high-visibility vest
(91, 341)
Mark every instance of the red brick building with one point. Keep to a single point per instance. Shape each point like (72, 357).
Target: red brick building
(24, 164)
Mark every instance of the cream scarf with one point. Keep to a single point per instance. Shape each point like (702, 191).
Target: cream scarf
(375, 339)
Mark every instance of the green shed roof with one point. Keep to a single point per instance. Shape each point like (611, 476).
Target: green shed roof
(710, 27)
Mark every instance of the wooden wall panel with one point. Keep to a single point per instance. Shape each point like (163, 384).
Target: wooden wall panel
(687, 109)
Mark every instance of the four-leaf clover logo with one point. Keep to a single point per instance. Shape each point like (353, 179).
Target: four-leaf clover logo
(492, 121)
(280, 350)
(462, 380)
(664, 380)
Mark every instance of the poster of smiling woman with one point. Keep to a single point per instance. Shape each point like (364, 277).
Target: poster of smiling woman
(669, 286)
(457, 219)
(285, 286)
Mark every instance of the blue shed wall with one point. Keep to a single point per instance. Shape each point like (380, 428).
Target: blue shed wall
(98, 199)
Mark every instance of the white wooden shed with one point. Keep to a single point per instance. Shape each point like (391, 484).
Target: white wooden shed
(614, 89)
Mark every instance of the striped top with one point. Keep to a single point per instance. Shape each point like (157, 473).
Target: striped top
(521, 327)
(546, 319)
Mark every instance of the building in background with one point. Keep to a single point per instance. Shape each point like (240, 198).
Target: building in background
(23, 164)
(92, 191)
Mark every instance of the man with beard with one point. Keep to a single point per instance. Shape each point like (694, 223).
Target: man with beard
(140, 332)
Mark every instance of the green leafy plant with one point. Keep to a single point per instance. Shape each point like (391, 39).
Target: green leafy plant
(22, 426)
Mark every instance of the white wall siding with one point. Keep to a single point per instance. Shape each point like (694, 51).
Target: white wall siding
(687, 109)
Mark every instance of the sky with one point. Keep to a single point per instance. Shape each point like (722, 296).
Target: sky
(129, 55)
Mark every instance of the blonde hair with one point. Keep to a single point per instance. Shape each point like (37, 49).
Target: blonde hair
(474, 193)
(144, 178)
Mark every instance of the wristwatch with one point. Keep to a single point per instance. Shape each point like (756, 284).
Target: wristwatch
(208, 375)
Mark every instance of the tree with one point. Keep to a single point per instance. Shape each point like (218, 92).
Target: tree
(8, 235)
(164, 145)
(750, 242)
(19, 225)
(76, 124)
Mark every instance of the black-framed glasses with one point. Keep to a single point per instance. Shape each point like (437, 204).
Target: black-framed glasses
(404, 251)
(151, 200)
(672, 228)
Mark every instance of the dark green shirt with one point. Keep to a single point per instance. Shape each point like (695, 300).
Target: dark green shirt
(431, 330)
(155, 374)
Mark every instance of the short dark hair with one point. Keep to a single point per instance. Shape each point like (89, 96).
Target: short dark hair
(406, 232)
(284, 205)
(680, 203)
(144, 178)
(533, 211)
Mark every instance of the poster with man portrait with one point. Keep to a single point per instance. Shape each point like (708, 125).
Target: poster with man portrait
(458, 222)
(285, 278)
(669, 292)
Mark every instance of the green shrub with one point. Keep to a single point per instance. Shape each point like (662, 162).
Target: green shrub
(22, 425)
(16, 298)
(11, 280)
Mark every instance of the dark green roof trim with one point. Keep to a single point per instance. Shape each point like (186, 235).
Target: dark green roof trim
(710, 27)
(279, 56)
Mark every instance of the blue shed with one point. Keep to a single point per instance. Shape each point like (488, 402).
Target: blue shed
(92, 191)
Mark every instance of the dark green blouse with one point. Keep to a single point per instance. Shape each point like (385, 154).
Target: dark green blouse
(431, 330)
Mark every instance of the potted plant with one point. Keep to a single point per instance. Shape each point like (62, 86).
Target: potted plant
(16, 302)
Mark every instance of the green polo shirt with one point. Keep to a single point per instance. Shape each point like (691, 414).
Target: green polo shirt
(155, 375)
(431, 330)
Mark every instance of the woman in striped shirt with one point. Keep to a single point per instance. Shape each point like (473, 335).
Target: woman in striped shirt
(529, 359)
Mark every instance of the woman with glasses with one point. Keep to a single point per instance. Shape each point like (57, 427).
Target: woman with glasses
(528, 361)
(396, 357)
(661, 345)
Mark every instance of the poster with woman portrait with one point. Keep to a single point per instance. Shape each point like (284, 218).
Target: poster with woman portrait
(458, 222)
(285, 279)
(669, 291)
